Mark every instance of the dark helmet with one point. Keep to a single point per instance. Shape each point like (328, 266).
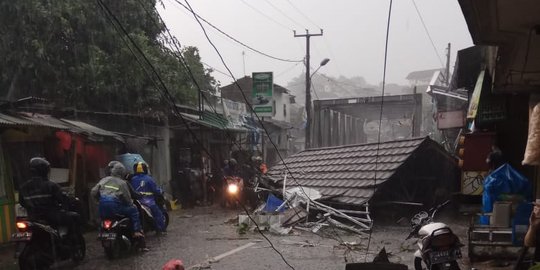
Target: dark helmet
(39, 167)
(140, 167)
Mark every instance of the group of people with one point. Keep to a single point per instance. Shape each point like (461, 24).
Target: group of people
(118, 189)
(44, 200)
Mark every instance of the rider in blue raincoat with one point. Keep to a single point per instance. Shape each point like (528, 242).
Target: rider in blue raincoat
(145, 185)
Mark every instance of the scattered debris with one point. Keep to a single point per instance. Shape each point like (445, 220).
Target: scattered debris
(227, 238)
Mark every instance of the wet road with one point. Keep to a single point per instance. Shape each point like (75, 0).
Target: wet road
(195, 236)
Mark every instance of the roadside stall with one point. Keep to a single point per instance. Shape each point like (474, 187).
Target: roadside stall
(505, 214)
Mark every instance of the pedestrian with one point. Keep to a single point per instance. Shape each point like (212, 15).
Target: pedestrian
(495, 158)
(184, 180)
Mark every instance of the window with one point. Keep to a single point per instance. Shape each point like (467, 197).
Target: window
(284, 110)
(274, 107)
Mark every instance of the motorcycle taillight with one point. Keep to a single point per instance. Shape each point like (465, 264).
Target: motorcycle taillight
(22, 226)
(107, 224)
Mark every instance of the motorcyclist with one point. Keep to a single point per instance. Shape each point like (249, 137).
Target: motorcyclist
(231, 168)
(43, 199)
(144, 184)
(115, 197)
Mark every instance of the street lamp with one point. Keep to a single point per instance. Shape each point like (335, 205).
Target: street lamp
(323, 62)
(308, 99)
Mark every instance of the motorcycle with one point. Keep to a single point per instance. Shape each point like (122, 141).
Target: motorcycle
(234, 187)
(116, 236)
(147, 219)
(438, 247)
(40, 245)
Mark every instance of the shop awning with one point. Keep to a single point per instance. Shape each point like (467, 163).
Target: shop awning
(91, 131)
(214, 121)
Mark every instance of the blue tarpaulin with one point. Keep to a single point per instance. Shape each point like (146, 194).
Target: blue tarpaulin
(272, 204)
(502, 182)
(129, 160)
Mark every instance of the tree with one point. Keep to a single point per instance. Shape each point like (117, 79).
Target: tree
(71, 53)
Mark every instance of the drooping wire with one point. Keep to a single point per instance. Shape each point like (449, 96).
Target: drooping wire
(236, 40)
(284, 14)
(249, 105)
(302, 14)
(266, 16)
(178, 54)
(165, 89)
(381, 111)
(113, 19)
(427, 33)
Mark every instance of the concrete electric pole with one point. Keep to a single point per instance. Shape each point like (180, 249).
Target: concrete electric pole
(307, 35)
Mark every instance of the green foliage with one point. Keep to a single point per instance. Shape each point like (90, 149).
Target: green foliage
(70, 53)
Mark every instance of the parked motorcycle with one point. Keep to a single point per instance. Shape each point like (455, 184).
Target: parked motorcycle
(40, 245)
(234, 187)
(116, 236)
(147, 219)
(438, 247)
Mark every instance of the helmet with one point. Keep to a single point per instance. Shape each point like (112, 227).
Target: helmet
(115, 168)
(232, 162)
(256, 159)
(39, 167)
(140, 167)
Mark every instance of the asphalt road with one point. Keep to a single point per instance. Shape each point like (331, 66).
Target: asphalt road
(198, 235)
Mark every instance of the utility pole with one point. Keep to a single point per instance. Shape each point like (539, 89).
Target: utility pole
(448, 64)
(307, 35)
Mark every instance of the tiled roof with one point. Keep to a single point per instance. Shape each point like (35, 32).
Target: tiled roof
(352, 171)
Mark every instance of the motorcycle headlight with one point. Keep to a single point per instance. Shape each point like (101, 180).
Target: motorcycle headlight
(232, 188)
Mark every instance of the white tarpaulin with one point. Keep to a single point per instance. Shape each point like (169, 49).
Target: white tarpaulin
(296, 195)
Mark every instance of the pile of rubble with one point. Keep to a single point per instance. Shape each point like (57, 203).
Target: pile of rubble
(305, 209)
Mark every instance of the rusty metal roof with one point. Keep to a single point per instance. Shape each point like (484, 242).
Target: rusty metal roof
(353, 171)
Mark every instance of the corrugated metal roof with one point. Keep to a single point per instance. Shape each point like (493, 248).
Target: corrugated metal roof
(352, 171)
(45, 120)
(11, 120)
(88, 129)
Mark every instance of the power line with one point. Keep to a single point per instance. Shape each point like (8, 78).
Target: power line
(236, 40)
(427, 33)
(216, 70)
(186, 66)
(266, 16)
(251, 109)
(303, 15)
(165, 92)
(382, 108)
(284, 14)
(287, 70)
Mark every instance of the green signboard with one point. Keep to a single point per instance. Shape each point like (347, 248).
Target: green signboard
(261, 94)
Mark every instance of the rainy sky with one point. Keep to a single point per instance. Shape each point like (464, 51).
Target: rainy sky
(353, 37)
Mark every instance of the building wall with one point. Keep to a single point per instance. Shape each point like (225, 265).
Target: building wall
(282, 108)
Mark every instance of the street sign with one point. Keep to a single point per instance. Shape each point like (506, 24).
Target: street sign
(262, 92)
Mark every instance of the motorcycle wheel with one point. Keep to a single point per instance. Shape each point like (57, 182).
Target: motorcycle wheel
(112, 251)
(79, 249)
(417, 263)
(30, 259)
(166, 215)
(454, 266)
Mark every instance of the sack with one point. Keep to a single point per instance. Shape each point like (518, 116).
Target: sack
(532, 151)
